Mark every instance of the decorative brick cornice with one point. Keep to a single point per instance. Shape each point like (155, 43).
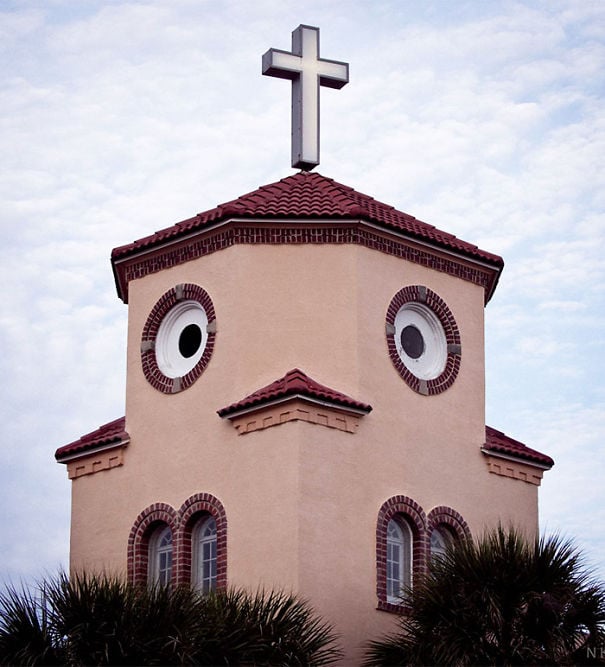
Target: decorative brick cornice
(237, 231)
(155, 377)
(305, 208)
(425, 296)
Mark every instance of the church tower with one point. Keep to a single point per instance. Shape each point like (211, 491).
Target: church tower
(304, 400)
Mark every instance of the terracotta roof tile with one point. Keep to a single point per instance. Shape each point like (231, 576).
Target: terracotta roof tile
(309, 195)
(294, 383)
(496, 441)
(108, 434)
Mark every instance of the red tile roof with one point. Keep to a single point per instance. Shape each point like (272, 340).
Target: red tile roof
(309, 195)
(108, 434)
(498, 442)
(294, 383)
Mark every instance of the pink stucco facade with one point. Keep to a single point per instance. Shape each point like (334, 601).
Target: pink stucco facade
(302, 498)
(299, 279)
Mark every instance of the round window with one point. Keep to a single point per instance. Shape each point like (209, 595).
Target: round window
(423, 340)
(181, 339)
(420, 341)
(178, 338)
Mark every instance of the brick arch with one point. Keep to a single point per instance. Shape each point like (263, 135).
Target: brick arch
(138, 541)
(411, 511)
(193, 509)
(446, 516)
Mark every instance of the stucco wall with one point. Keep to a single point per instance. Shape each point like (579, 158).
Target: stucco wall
(302, 499)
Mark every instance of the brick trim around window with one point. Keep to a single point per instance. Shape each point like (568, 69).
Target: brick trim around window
(410, 511)
(181, 523)
(422, 527)
(446, 516)
(425, 296)
(148, 521)
(192, 510)
(163, 306)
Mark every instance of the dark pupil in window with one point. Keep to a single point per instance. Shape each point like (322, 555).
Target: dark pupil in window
(190, 340)
(412, 342)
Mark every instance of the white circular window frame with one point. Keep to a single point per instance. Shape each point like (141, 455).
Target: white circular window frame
(169, 359)
(431, 363)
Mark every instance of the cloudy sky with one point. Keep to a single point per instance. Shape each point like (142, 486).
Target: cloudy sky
(482, 117)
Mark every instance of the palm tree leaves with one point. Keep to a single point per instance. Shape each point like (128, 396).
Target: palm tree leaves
(102, 620)
(500, 601)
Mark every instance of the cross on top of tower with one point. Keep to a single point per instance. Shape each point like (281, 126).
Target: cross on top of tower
(307, 71)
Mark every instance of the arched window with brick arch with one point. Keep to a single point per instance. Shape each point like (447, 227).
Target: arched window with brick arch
(151, 546)
(401, 549)
(160, 556)
(445, 525)
(202, 554)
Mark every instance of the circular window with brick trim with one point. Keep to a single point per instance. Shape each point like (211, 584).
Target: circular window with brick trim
(423, 340)
(178, 338)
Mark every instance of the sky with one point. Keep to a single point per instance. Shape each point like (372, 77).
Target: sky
(485, 118)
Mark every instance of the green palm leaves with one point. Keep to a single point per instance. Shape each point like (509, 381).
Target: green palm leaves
(501, 601)
(100, 620)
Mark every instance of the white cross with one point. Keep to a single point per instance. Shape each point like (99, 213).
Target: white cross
(307, 71)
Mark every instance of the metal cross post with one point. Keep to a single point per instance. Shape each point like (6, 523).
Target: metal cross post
(307, 71)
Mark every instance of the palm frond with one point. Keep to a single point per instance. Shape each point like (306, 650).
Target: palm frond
(500, 600)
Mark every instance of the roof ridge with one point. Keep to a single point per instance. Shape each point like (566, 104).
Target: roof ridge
(498, 441)
(113, 431)
(280, 193)
(310, 197)
(294, 382)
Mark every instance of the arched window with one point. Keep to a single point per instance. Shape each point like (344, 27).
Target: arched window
(399, 559)
(185, 548)
(441, 538)
(204, 540)
(401, 550)
(160, 556)
(445, 527)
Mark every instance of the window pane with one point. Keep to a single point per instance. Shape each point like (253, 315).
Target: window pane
(204, 576)
(399, 559)
(439, 541)
(160, 557)
(210, 528)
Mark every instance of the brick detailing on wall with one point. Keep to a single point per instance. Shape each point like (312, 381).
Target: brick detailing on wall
(425, 296)
(158, 515)
(402, 508)
(235, 232)
(149, 520)
(195, 509)
(154, 375)
(445, 516)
